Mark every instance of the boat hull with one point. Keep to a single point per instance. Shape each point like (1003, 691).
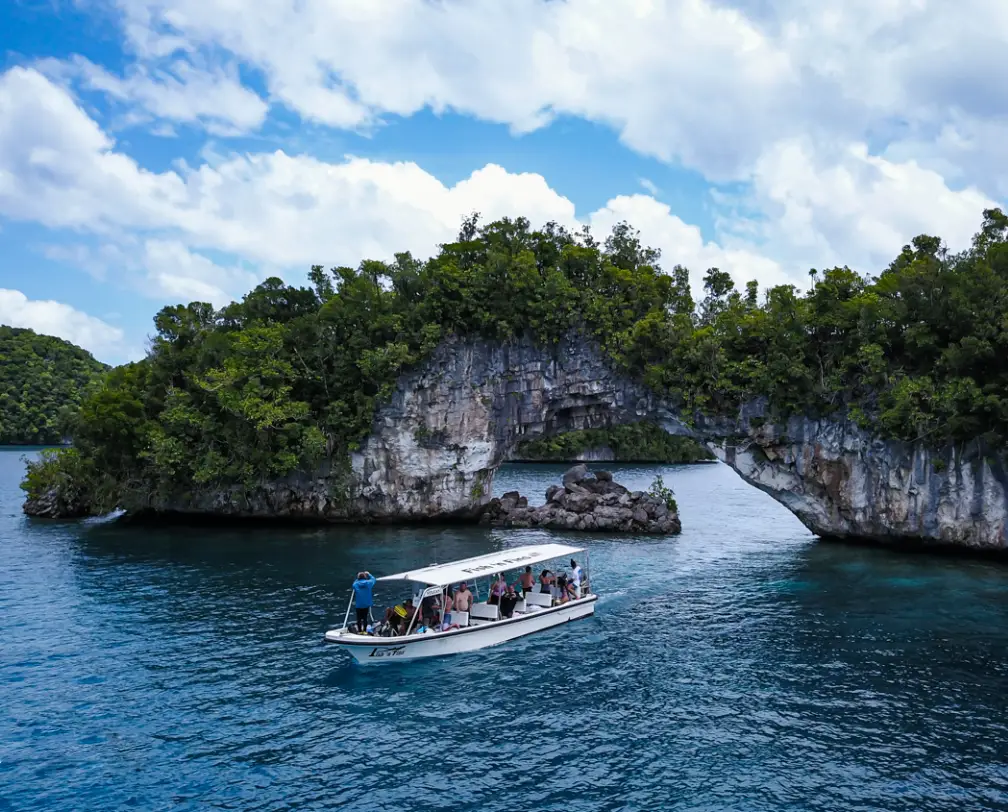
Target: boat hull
(376, 650)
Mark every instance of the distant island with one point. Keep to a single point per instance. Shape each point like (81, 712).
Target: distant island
(635, 442)
(43, 381)
(393, 390)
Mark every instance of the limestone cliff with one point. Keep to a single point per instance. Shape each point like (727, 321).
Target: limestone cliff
(842, 482)
(437, 443)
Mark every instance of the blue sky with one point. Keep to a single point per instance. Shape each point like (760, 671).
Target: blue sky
(157, 151)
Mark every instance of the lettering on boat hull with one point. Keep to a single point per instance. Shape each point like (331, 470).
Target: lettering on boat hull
(387, 652)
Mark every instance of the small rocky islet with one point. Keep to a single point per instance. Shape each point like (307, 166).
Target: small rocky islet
(589, 501)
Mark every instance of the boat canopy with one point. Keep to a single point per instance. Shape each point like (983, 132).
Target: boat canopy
(469, 568)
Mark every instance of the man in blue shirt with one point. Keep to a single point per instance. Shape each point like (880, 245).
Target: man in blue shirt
(362, 599)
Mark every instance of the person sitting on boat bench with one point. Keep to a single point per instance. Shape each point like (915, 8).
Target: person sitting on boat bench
(508, 602)
(393, 618)
(463, 598)
(526, 582)
(363, 598)
(560, 594)
(429, 610)
(400, 616)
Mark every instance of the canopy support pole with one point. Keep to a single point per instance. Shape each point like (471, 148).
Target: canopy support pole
(410, 627)
(346, 617)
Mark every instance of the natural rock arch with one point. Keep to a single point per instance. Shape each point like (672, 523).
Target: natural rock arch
(449, 426)
(436, 445)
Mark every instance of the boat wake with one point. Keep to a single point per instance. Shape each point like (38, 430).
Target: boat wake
(108, 517)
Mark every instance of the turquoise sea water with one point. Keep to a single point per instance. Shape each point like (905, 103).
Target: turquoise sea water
(742, 665)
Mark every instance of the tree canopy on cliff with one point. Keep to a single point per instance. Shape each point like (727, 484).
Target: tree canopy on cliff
(291, 375)
(42, 383)
(635, 442)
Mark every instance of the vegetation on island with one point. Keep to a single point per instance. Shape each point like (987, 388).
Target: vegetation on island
(662, 491)
(636, 442)
(291, 375)
(43, 380)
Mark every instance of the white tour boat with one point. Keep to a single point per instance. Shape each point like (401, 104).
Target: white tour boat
(482, 625)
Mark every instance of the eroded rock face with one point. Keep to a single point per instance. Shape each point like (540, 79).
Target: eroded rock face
(841, 482)
(57, 504)
(436, 445)
(585, 501)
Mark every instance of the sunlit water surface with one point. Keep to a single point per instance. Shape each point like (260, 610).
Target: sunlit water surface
(741, 665)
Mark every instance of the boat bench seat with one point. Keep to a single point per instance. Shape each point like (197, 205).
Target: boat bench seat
(539, 599)
(483, 613)
(461, 618)
(521, 607)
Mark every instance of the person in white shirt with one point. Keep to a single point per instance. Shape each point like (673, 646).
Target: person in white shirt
(576, 577)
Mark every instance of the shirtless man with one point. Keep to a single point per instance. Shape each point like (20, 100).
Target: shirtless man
(527, 581)
(463, 598)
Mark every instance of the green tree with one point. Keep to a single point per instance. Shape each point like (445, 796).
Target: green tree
(43, 380)
(268, 386)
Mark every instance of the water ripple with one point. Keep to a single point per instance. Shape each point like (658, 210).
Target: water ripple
(739, 666)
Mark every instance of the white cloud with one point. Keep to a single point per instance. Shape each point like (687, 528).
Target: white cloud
(518, 62)
(181, 93)
(175, 273)
(161, 269)
(277, 212)
(58, 168)
(709, 83)
(683, 244)
(59, 319)
(852, 208)
(649, 187)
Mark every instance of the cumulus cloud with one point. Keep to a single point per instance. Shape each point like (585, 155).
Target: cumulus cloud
(59, 319)
(58, 168)
(853, 208)
(708, 83)
(683, 244)
(174, 273)
(518, 62)
(214, 98)
(281, 213)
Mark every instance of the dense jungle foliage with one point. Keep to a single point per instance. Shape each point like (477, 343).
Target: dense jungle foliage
(42, 382)
(290, 375)
(638, 442)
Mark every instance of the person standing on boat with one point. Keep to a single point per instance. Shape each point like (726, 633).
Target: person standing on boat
(527, 581)
(463, 598)
(363, 599)
(575, 578)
